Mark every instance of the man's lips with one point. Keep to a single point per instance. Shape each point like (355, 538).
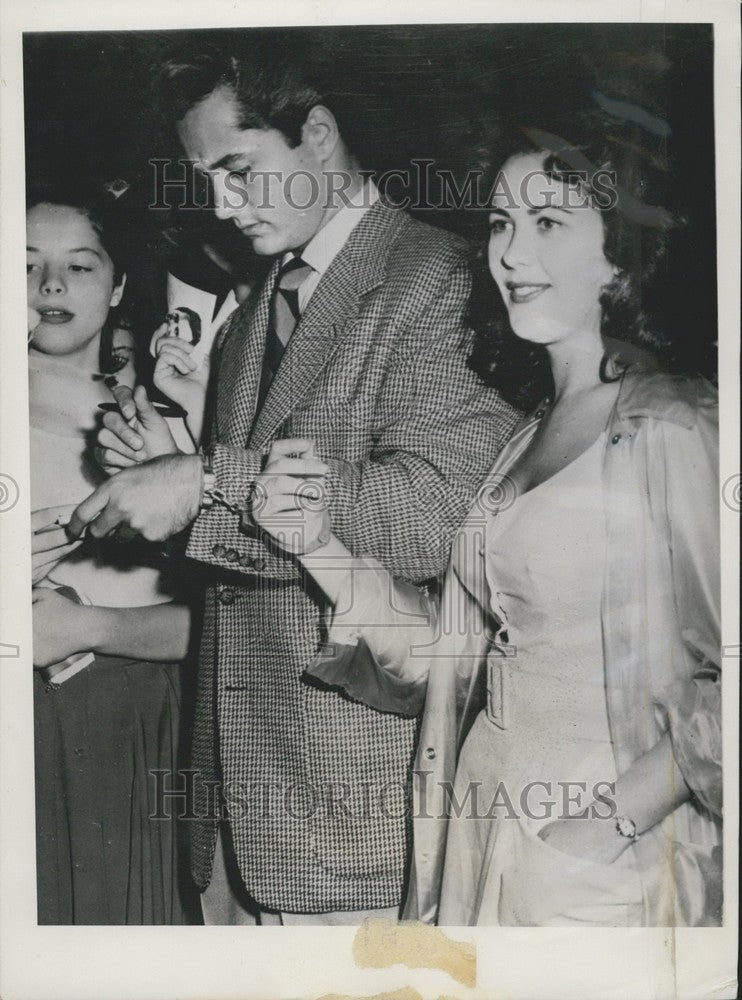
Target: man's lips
(253, 228)
(55, 316)
(522, 291)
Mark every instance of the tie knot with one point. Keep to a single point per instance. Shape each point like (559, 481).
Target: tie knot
(293, 274)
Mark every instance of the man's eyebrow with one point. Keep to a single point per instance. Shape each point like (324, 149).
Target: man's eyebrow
(228, 161)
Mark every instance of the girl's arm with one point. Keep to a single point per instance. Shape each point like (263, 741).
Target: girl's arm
(62, 627)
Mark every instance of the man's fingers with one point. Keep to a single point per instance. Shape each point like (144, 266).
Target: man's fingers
(300, 467)
(88, 510)
(121, 433)
(293, 448)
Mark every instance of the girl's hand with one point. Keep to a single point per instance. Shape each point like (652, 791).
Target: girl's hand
(34, 318)
(50, 542)
(61, 627)
(181, 378)
(137, 434)
(290, 501)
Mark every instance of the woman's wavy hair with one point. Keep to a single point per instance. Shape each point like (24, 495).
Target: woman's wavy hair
(628, 184)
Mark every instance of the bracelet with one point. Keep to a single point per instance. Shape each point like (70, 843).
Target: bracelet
(626, 827)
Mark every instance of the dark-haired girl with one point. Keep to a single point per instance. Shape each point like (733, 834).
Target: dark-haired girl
(106, 633)
(569, 763)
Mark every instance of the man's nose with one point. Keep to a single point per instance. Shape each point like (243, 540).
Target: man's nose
(230, 195)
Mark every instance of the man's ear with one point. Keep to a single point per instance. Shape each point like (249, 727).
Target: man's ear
(118, 291)
(321, 131)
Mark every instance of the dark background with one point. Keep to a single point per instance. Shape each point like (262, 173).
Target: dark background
(414, 91)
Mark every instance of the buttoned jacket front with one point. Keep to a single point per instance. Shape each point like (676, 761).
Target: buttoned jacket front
(375, 373)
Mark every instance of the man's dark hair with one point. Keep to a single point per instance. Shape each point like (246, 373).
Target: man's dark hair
(269, 75)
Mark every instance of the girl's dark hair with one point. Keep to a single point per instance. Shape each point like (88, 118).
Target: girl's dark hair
(111, 222)
(627, 183)
(106, 214)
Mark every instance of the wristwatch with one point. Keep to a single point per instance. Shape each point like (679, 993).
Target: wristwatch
(626, 827)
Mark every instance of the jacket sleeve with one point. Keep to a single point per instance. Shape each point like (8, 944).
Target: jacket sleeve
(439, 432)
(693, 708)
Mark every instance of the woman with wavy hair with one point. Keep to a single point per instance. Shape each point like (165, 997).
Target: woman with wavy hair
(569, 764)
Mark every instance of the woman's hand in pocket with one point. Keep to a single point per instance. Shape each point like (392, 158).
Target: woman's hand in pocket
(594, 839)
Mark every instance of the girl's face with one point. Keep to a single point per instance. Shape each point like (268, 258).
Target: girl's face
(546, 253)
(70, 283)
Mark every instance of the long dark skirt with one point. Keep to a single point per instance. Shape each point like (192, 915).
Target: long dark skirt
(101, 858)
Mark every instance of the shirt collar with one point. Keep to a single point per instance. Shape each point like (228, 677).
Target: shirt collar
(327, 243)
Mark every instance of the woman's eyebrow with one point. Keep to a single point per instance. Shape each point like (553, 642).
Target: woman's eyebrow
(534, 210)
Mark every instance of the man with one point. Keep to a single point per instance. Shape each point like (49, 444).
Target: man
(356, 342)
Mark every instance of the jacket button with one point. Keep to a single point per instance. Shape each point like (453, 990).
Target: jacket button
(430, 753)
(258, 564)
(232, 555)
(226, 596)
(219, 551)
(245, 561)
(615, 439)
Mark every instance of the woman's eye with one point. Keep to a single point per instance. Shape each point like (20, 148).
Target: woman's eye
(241, 175)
(547, 224)
(78, 268)
(30, 268)
(498, 226)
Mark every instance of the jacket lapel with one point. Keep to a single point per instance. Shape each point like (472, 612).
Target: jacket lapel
(240, 367)
(330, 314)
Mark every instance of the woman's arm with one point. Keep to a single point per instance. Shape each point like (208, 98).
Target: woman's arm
(649, 790)
(62, 627)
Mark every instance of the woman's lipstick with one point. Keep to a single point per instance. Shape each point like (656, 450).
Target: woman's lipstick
(524, 291)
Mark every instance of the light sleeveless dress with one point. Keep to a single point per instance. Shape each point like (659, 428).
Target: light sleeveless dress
(541, 750)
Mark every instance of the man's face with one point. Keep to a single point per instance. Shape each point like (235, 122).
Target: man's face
(272, 193)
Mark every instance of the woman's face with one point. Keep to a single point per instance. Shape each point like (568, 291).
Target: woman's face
(70, 283)
(546, 253)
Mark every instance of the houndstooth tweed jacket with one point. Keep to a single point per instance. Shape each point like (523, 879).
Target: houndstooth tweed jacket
(316, 785)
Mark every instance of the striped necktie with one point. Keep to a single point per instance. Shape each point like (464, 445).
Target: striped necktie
(284, 315)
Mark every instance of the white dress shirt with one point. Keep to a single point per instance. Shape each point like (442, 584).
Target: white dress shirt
(327, 243)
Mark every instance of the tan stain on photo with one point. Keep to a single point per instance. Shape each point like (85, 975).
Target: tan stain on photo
(381, 943)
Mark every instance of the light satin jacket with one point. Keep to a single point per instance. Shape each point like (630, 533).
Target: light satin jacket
(661, 639)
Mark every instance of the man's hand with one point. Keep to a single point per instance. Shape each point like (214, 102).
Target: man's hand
(290, 501)
(156, 500)
(50, 542)
(137, 434)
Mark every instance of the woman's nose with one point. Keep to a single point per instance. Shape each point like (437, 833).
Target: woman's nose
(52, 283)
(519, 250)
